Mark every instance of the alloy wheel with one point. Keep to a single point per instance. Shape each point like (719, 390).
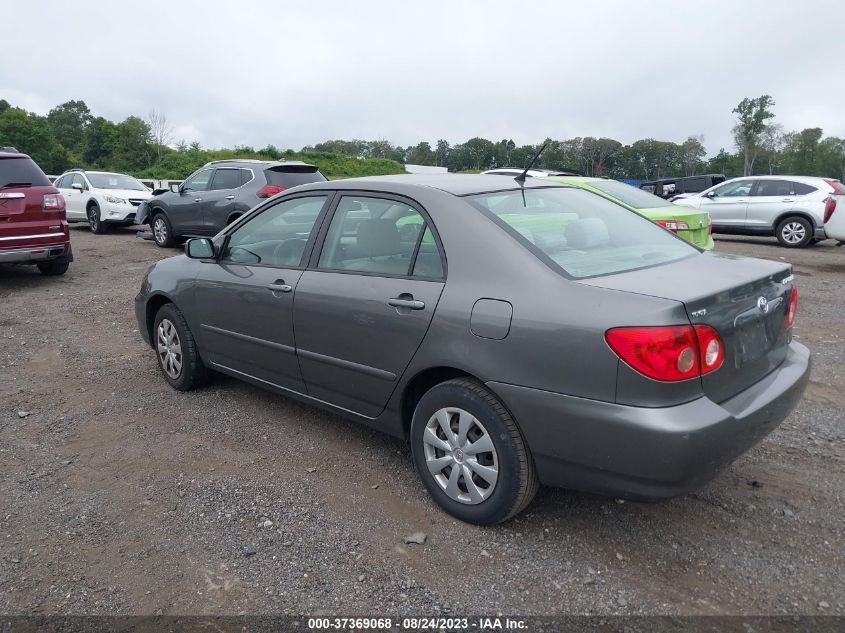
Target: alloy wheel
(793, 232)
(460, 455)
(160, 230)
(94, 218)
(169, 349)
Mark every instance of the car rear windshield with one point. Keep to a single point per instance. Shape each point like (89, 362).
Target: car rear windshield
(115, 181)
(631, 196)
(22, 172)
(580, 233)
(293, 175)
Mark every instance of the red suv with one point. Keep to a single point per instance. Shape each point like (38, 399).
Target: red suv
(33, 228)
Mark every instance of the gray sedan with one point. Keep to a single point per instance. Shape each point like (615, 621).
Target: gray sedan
(513, 333)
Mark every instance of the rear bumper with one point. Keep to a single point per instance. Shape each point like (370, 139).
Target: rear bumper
(650, 453)
(35, 254)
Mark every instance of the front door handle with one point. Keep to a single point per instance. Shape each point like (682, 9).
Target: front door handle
(406, 301)
(197, 199)
(230, 197)
(280, 286)
(787, 200)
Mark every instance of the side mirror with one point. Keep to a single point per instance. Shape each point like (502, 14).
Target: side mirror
(199, 248)
(710, 194)
(76, 186)
(174, 187)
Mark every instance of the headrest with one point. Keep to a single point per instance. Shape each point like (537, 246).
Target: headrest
(587, 233)
(378, 237)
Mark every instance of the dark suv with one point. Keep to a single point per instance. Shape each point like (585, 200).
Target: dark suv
(33, 227)
(217, 194)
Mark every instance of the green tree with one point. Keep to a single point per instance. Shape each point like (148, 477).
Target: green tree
(441, 154)
(69, 122)
(4, 105)
(98, 142)
(801, 153)
(422, 154)
(132, 147)
(692, 154)
(752, 115)
(28, 133)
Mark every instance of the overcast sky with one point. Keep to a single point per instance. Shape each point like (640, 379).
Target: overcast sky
(297, 73)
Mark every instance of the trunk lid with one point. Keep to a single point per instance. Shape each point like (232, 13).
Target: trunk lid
(743, 299)
(698, 222)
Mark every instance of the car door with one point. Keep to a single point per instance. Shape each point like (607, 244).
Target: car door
(366, 300)
(244, 298)
(185, 207)
(220, 200)
(75, 196)
(727, 204)
(63, 185)
(769, 199)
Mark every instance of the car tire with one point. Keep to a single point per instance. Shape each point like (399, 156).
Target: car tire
(162, 230)
(95, 221)
(176, 350)
(479, 487)
(53, 268)
(795, 232)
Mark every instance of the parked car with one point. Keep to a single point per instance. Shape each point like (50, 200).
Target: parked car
(101, 198)
(834, 221)
(692, 225)
(218, 194)
(520, 335)
(791, 208)
(33, 228)
(682, 187)
(531, 173)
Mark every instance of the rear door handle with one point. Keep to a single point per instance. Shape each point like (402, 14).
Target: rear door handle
(788, 200)
(230, 197)
(197, 199)
(411, 303)
(280, 286)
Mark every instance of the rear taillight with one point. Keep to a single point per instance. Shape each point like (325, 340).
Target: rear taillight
(670, 353)
(53, 202)
(791, 309)
(829, 208)
(268, 191)
(709, 225)
(838, 187)
(673, 225)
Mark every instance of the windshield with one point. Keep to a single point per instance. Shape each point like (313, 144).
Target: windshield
(580, 232)
(631, 196)
(114, 181)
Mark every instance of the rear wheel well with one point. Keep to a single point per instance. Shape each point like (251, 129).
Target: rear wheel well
(792, 214)
(153, 306)
(419, 385)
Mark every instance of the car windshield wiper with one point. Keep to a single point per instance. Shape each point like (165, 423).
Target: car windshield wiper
(16, 184)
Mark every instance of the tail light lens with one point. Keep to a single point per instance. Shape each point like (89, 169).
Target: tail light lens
(709, 225)
(791, 309)
(674, 225)
(53, 202)
(668, 353)
(829, 208)
(838, 187)
(268, 191)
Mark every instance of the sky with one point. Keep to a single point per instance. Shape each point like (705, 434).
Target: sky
(297, 73)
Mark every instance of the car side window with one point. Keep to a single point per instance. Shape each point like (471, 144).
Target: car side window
(277, 236)
(225, 179)
(60, 183)
(734, 189)
(79, 180)
(773, 188)
(246, 176)
(197, 182)
(380, 236)
(802, 189)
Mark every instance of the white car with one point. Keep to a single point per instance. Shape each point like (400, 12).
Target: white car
(792, 208)
(101, 198)
(834, 217)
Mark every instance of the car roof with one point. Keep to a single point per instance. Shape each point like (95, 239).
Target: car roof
(13, 155)
(256, 161)
(455, 184)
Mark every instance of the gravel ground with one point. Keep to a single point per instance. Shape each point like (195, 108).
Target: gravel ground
(121, 496)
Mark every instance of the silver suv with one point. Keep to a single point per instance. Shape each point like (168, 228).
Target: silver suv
(792, 208)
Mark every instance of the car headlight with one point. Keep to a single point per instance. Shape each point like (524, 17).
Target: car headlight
(114, 200)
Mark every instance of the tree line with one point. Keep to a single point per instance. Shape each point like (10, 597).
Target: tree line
(70, 135)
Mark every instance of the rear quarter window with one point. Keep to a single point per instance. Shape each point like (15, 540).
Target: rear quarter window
(802, 189)
(21, 171)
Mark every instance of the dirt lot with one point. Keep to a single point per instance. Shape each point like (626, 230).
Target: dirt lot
(121, 496)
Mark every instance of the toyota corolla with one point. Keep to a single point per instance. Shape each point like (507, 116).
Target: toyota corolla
(513, 333)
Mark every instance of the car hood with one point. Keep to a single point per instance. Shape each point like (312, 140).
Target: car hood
(134, 194)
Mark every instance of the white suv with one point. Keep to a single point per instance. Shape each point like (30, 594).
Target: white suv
(792, 208)
(101, 198)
